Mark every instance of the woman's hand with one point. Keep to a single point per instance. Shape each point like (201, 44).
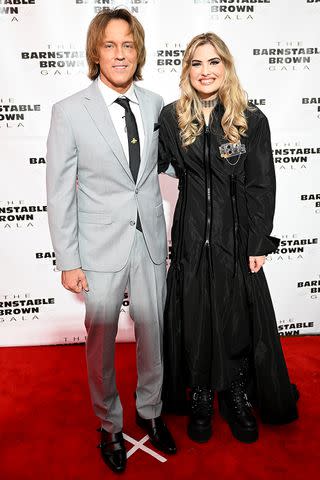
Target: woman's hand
(255, 263)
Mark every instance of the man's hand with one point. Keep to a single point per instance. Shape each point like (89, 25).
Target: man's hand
(74, 280)
(255, 263)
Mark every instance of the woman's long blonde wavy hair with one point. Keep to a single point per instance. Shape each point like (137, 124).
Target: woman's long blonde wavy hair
(231, 95)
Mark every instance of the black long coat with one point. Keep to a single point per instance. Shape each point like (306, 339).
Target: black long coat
(217, 311)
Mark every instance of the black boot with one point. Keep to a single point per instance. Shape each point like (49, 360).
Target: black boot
(236, 409)
(199, 427)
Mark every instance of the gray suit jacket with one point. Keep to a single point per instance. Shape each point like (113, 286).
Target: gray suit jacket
(92, 198)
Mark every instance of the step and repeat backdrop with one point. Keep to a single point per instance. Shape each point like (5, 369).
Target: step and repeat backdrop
(276, 46)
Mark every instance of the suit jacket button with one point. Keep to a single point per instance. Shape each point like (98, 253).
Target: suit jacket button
(132, 223)
(136, 191)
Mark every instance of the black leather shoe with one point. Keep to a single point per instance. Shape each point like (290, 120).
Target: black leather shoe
(158, 432)
(200, 420)
(113, 450)
(236, 409)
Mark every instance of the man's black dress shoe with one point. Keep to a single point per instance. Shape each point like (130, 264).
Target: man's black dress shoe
(158, 432)
(113, 451)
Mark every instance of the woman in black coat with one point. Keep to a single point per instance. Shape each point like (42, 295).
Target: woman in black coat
(220, 329)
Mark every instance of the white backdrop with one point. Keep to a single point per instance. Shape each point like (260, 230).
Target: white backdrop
(277, 52)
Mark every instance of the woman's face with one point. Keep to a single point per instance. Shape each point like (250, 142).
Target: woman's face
(206, 71)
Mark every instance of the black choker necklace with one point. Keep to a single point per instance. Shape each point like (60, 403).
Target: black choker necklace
(209, 103)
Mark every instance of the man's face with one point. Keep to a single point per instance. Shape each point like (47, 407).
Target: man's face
(117, 56)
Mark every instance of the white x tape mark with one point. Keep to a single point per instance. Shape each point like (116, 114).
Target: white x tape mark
(140, 445)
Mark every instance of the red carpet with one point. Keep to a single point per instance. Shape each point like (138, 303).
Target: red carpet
(47, 428)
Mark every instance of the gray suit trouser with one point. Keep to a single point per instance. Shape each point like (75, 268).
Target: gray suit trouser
(147, 290)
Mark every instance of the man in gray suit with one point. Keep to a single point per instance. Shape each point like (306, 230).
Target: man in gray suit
(107, 222)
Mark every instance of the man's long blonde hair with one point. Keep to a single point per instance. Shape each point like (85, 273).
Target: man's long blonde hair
(96, 33)
(231, 95)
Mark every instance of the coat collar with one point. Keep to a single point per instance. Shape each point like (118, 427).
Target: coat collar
(147, 120)
(96, 107)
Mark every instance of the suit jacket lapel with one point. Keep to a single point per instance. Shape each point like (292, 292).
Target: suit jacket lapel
(146, 115)
(98, 111)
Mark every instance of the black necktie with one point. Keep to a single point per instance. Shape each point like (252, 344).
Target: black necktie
(133, 143)
(133, 137)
